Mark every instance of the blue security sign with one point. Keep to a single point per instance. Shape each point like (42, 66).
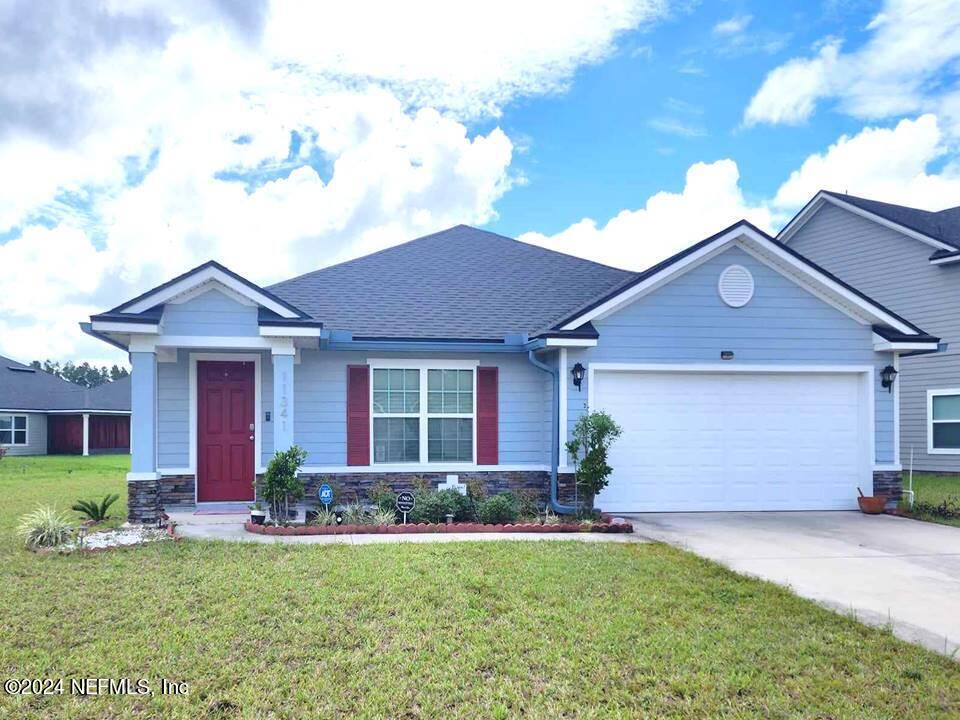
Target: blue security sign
(326, 494)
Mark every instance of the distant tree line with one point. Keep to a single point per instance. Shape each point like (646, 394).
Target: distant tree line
(84, 374)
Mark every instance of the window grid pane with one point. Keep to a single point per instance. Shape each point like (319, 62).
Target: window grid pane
(450, 392)
(396, 440)
(19, 422)
(450, 440)
(6, 422)
(19, 437)
(396, 392)
(6, 437)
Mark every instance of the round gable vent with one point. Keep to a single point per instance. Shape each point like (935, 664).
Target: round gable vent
(735, 286)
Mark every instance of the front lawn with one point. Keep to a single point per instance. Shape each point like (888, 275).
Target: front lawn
(932, 492)
(539, 630)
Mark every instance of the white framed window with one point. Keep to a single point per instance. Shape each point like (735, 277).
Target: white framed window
(943, 421)
(13, 429)
(423, 411)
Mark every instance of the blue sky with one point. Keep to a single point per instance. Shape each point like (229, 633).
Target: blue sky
(139, 140)
(595, 149)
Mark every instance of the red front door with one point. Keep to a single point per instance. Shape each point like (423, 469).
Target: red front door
(225, 439)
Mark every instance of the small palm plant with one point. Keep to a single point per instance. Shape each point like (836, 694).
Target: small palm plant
(97, 512)
(44, 527)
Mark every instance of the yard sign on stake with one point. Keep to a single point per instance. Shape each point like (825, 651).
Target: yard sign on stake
(405, 503)
(326, 495)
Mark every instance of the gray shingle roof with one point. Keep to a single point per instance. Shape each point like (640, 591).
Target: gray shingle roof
(943, 225)
(23, 388)
(460, 283)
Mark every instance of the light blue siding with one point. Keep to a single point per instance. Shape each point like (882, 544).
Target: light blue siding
(685, 321)
(143, 417)
(36, 436)
(213, 314)
(320, 409)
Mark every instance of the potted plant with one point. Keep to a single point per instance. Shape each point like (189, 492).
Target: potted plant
(281, 486)
(871, 505)
(258, 513)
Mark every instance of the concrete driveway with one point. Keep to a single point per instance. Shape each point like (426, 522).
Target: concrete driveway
(882, 569)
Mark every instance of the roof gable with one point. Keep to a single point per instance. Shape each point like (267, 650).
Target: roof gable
(763, 247)
(940, 230)
(210, 275)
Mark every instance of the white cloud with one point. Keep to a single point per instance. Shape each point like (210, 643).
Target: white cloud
(668, 222)
(907, 65)
(732, 26)
(887, 164)
(139, 128)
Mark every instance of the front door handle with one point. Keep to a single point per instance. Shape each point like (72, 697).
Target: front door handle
(251, 437)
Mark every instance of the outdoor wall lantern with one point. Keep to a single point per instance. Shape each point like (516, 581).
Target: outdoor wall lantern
(887, 376)
(577, 372)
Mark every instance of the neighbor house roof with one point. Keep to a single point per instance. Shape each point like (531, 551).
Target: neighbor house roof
(26, 388)
(461, 283)
(940, 228)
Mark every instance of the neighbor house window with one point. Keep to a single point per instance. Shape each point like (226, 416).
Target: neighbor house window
(13, 429)
(423, 414)
(944, 428)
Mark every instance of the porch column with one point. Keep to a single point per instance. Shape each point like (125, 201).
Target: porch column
(283, 398)
(143, 414)
(86, 434)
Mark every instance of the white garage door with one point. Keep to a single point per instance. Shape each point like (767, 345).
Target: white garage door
(735, 441)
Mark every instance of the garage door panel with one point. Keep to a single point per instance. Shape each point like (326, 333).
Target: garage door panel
(733, 441)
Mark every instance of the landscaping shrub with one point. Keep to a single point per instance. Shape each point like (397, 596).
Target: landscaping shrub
(322, 516)
(946, 510)
(44, 527)
(593, 435)
(354, 514)
(499, 509)
(383, 516)
(93, 510)
(281, 487)
(530, 505)
(3, 452)
(382, 495)
(434, 506)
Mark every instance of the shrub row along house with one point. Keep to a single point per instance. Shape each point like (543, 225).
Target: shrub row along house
(744, 376)
(41, 414)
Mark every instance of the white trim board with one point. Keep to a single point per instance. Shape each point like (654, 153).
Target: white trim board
(830, 290)
(821, 197)
(257, 409)
(204, 277)
(447, 468)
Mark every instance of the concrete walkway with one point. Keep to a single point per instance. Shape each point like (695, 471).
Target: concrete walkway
(230, 527)
(884, 570)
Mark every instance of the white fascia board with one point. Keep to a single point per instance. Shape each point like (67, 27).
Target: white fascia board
(288, 331)
(279, 345)
(747, 236)
(571, 342)
(791, 229)
(116, 326)
(949, 260)
(881, 344)
(200, 278)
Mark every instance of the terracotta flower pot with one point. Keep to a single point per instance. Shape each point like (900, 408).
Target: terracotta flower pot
(872, 505)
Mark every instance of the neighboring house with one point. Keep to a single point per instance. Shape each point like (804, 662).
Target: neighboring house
(909, 260)
(41, 414)
(744, 377)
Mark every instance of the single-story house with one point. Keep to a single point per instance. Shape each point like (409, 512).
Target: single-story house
(42, 414)
(909, 260)
(744, 376)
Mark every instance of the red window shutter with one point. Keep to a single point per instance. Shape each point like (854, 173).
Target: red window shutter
(487, 416)
(358, 415)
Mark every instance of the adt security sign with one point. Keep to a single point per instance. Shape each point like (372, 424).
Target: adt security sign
(405, 503)
(326, 494)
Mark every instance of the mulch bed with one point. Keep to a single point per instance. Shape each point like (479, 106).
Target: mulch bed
(611, 527)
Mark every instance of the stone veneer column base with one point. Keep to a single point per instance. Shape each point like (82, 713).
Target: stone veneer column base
(143, 507)
(888, 482)
(146, 499)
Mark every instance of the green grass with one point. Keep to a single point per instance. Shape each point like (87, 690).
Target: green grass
(935, 489)
(539, 630)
